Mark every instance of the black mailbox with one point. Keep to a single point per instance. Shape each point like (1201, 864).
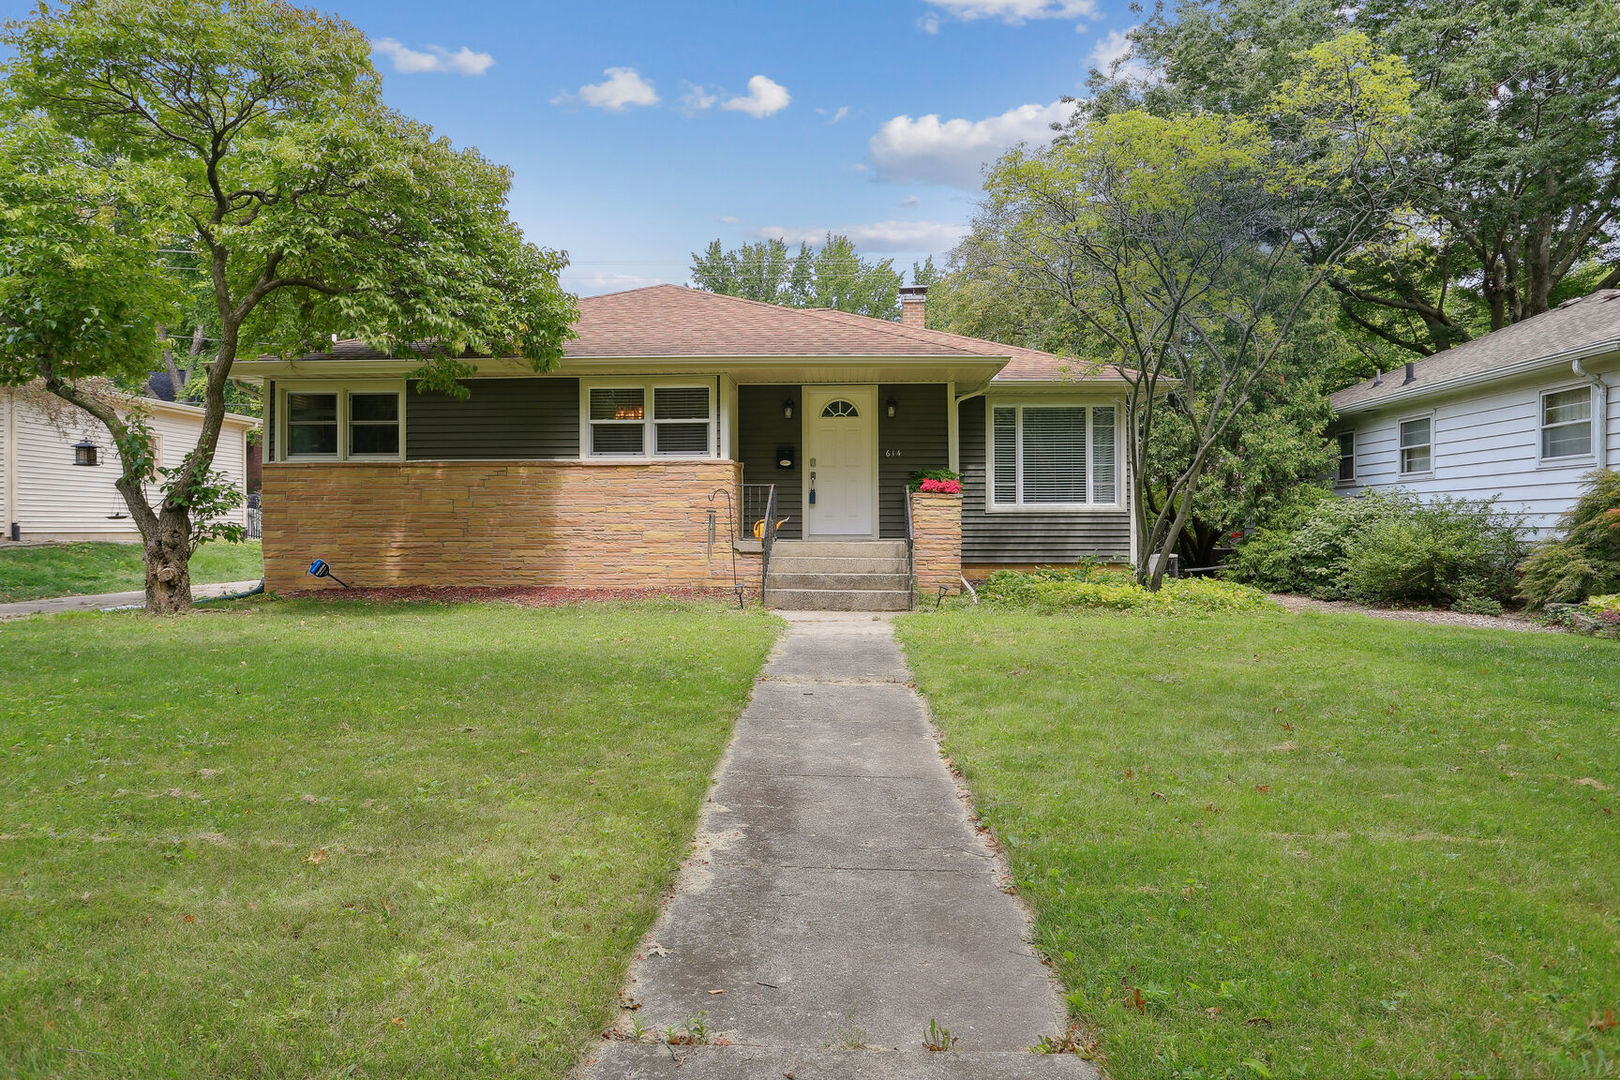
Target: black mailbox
(784, 457)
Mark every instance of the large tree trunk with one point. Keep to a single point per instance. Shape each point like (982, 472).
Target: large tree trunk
(168, 563)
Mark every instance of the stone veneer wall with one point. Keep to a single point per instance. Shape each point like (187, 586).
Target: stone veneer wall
(494, 523)
(936, 529)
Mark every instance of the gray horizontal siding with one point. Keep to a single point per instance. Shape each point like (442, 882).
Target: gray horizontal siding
(917, 438)
(760, 430)
(1027, 537)
(532, 418)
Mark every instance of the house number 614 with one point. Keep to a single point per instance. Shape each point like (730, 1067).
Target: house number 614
(891, 453)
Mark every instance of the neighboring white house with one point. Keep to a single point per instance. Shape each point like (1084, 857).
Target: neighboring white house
(45, 496)
(1522, 414)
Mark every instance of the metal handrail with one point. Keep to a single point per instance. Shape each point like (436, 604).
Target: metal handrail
(767, 539)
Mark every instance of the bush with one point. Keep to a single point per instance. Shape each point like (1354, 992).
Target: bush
(1585, 560)
(1389, 547)
(1439, 552)
(1091, 589)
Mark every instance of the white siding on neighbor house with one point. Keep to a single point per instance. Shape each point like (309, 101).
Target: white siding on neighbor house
(1485, 444)
(56, 499)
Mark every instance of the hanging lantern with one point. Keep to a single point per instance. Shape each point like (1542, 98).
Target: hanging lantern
(84, 452)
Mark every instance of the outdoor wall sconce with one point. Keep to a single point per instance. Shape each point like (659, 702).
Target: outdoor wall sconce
(891, 405)
(84, 452)
(787, 409)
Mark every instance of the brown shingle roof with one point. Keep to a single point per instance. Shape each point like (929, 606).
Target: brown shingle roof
(675, 321)
(1592, 320)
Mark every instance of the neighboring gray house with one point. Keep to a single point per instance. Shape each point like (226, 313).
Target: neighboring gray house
(1522, 414)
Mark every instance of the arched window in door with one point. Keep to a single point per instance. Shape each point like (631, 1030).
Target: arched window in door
(839, 408)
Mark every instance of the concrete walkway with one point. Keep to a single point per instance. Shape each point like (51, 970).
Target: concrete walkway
(839, 898)
(107, 601)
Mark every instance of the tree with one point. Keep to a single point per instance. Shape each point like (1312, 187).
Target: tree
(834, 275)
(1510, 180)
(1182, 242)
(253, 136)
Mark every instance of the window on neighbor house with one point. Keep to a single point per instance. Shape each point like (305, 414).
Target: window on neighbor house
(1566, 423)
(1347, 457)
(1417, 445)
(312, 424)
(680, 422)
(1053, 455)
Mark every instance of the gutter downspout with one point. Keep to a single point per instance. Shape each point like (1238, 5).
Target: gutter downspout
(1600, 414)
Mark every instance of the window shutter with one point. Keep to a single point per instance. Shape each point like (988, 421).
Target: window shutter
(1006, 455)
(1103, 483)
(1054, 454)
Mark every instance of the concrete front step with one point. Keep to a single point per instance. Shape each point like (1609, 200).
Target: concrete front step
(819, 564)
(838, 599)
(786, 579)
(870, 549)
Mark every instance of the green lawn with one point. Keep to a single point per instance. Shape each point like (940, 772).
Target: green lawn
(29, 573)
(1310, 845)
(306, 839)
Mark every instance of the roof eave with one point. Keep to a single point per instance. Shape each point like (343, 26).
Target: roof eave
(1416, 393)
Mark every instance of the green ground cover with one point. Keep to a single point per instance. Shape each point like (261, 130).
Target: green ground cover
(1315, 845)
(307, 839)
(72, 569)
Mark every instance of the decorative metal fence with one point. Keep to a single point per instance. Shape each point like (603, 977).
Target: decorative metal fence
(255, 518)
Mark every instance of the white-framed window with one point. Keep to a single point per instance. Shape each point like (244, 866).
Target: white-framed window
(648, 419)
(1566, 423)
(352, 422)
(1346, 473)
(1053, 456)
(1417, 445)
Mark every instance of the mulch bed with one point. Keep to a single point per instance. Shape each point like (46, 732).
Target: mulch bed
(1506, 621)
(522, 595)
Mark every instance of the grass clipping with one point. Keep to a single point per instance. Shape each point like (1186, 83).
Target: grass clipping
(1086, 588)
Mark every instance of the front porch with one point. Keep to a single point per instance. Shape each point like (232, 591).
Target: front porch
(840, 456)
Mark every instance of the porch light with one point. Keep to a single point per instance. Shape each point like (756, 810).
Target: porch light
(891, 405)
(787, 409)
(84, 452)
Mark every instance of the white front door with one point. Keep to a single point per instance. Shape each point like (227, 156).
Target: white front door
(840, 460)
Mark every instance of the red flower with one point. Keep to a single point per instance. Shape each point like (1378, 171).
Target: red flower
(943, 487)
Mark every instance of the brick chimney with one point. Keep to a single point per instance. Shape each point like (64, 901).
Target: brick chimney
(913, 303)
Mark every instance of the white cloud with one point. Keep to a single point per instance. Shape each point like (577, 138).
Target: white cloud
(911, 200)
(597, 282)
(936, 151)
(728, 219)
(835, 115)
(409, 61)
(622, 88)
(697, 98)
(1110, 49)
(882, 237)
(764, 98)
(1012, 12)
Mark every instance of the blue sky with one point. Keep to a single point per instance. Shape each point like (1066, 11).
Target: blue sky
(564, 94)
(640, 131)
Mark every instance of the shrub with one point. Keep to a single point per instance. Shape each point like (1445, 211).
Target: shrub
(1088, 588)
(1437, 552)
(1585, 559)
(1389, 547)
